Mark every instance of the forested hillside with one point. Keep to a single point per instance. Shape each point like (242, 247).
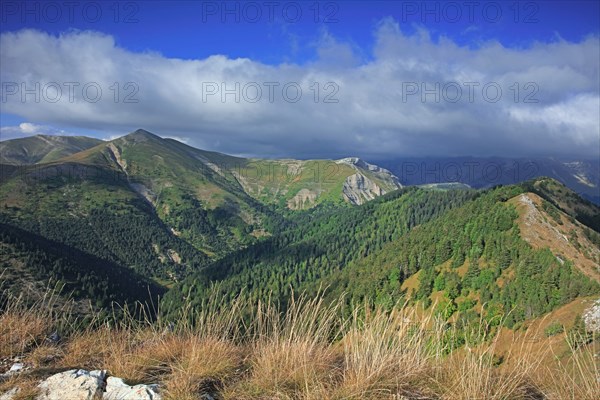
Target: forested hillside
(96, 213)
(472, 261)
(461, 250)
(32, 265)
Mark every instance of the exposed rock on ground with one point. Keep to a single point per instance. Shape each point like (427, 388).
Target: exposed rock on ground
(76, 384)
(116, 389)
(591, 317)
(79, 384)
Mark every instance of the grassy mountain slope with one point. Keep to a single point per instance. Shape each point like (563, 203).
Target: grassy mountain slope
(472, 256)
(297, 184)
(193, 198)
(544, 338)
(567, 200)
(542, 225)
(94, 210)
(42, 148)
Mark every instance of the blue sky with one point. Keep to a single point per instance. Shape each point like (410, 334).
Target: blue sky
(351, 42)
(198, 29)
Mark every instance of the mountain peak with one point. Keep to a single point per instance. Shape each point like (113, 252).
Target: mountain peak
(143, 132)
(140, 135)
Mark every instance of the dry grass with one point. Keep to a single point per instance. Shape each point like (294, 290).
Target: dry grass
(476, 371)
(45, 355)
(204, 364)
(386, 354)
(25, 326)
(472, 375)
(575, 377)
(19, 332)
(290, 352)
(305, 351)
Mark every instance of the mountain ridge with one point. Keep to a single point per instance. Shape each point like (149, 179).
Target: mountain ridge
(42, 148)
(293, 183)
(582, 176)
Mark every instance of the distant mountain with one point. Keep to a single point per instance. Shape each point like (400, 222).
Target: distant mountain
(163, 208)
(42, 148)
(582, 176)
(302, 184)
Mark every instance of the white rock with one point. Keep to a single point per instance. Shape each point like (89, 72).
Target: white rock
(75, 384)
(359, 189)
(16, 367)
(591, 317)
(116, 389)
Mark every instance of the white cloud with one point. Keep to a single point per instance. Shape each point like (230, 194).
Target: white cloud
(371, 118)
(29, 129)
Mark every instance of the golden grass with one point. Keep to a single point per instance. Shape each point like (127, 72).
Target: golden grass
(18, 332)
(290, 352)
(25, 326)
(472, 375)
(576, 377)
(204, 363)
(385, 354)
(306, 350)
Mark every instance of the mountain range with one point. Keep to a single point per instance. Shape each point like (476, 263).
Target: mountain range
(141, 217)
(158, 207)
(580, 175)
(262, 178)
